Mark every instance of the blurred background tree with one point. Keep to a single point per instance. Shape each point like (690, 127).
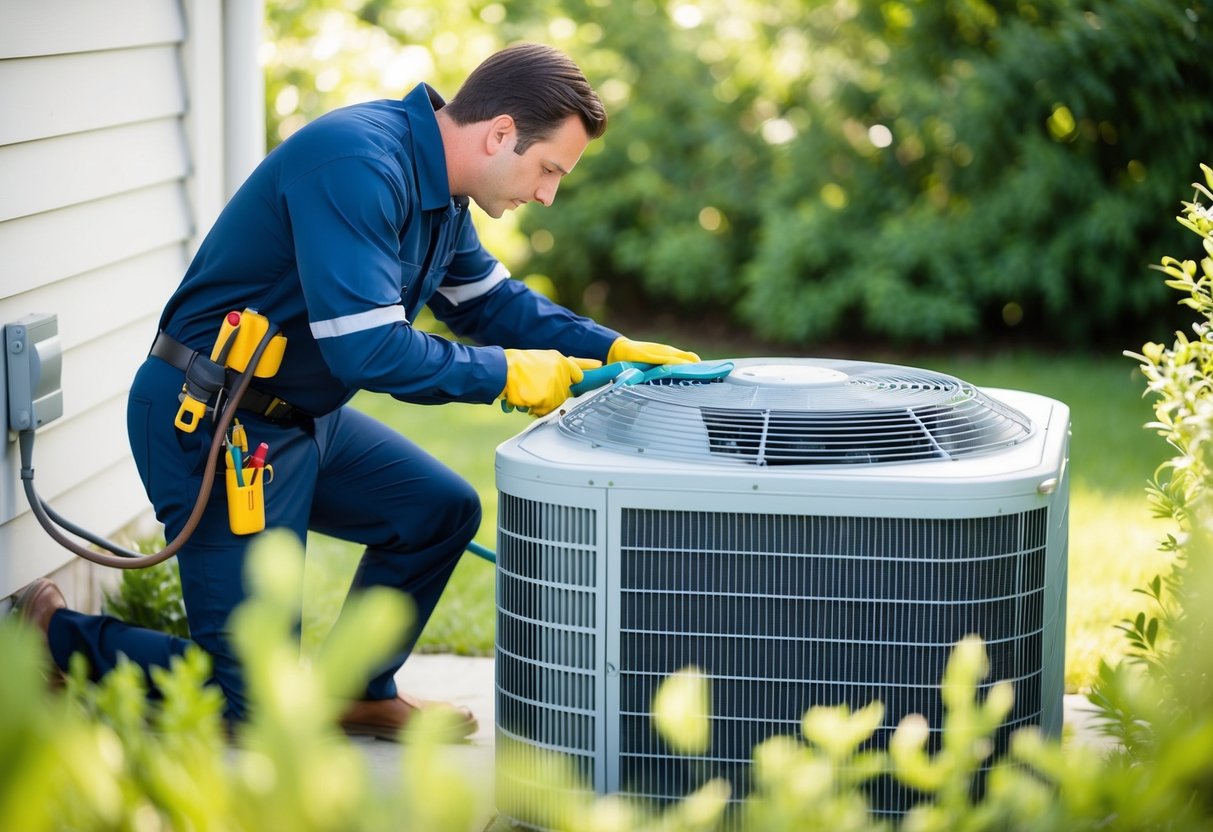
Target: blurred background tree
(905, 171)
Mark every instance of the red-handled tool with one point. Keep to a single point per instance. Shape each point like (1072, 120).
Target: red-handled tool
(257, 460)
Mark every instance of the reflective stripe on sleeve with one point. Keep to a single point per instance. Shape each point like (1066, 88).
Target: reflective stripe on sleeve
(467, 291)
(348, 324)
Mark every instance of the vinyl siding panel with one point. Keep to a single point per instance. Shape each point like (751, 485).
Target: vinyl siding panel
(55, 245)
(57, 27)
(67, 170)
(100, 173)
(91, 91)
(96, 302)
(29, 553)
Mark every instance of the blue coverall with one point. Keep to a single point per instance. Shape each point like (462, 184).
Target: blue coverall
(339, 237)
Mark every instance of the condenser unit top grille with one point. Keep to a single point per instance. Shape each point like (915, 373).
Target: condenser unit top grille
(801, 412)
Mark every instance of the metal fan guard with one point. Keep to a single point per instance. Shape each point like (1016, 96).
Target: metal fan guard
(788, 411)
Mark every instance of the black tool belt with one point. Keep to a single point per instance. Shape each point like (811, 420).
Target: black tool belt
(172, 351)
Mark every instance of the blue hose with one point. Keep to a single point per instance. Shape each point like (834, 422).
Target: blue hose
(483, 552)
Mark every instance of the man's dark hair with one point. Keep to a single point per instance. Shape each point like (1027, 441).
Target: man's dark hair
(539, 87)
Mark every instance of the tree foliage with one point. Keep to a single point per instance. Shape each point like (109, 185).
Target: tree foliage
(1031, 148)
(910, 169)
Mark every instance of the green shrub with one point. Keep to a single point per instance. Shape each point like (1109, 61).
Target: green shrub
(104, 757)
(915, 171)
(912, 171)
(1032, 147)
(1181, 380)
(151, 597)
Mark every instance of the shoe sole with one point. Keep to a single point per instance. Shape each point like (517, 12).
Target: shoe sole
(457, 733)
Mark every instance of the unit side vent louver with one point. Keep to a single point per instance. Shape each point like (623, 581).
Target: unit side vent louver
(817, 412)
(546, 637)
(784, 613)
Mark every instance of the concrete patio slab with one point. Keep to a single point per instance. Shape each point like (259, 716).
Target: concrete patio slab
(461, 680)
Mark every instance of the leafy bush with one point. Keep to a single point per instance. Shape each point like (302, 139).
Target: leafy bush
(910, 170)
(1181, 379)
(151, 597)
(971, 167)
(104, 757)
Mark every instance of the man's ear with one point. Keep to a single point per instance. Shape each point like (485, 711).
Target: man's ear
(502, 134)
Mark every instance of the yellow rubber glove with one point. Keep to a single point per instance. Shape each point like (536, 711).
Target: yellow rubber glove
(539, 380)
(646, 352)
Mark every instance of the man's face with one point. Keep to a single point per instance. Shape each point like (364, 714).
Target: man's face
(511, 179)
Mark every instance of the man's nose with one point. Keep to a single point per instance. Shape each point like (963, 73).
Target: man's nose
(545, 194)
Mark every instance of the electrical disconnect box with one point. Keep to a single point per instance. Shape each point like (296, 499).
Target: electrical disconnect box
(35, 362)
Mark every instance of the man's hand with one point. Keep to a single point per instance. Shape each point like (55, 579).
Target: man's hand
(647, 352)
(539, 380)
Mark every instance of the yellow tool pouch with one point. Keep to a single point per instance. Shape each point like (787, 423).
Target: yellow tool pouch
(246, 503)
(245, 482)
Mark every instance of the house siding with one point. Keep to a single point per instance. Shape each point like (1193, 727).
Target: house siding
(112, 165)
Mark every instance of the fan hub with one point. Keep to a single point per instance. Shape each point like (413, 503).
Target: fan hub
(787, 375)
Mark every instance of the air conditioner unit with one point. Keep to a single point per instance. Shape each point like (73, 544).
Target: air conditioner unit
(806, 532)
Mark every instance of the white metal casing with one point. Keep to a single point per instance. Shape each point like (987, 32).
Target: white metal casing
(545, 468)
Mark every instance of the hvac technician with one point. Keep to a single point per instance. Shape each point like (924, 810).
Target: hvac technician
(339, 237)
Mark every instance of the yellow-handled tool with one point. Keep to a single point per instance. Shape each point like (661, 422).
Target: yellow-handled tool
(238, 338)
(251, 328)
(203, 380)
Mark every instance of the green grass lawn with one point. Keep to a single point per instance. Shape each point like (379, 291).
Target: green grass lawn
(1113, 540)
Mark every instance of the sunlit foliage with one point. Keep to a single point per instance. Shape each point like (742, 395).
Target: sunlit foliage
(910, 169)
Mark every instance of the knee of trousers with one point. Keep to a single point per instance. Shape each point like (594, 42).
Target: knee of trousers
(448, 520)
(458, 513)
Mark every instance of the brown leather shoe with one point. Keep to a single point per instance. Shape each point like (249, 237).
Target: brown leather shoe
(38, 602)
(35, 606)
(388, 719)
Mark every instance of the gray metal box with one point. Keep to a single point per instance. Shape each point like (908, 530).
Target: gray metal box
(35, 364)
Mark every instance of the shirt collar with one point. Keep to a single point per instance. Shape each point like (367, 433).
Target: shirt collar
(428, 154)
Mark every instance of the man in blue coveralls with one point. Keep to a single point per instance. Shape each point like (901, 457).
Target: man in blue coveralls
(339, 237)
